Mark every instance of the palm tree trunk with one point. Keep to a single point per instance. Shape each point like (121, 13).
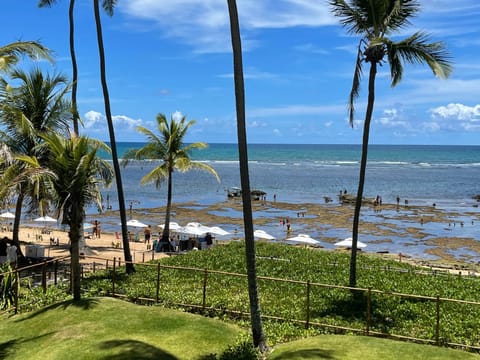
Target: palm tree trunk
(255, 314)
(74, 67)
(166, 229)
(74, 234)
(363, 167)
(116, 166)
(16, 222)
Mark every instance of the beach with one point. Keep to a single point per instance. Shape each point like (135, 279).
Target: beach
(424, 234)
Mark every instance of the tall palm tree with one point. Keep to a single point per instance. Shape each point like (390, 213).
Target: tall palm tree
(169, 147)
(10, 54)
(75, 116)
(374, 21)
(259, 339)
(108, 6)
(79, 172)
(32, 108)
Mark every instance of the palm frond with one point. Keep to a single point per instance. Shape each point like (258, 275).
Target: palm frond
(357, 77)
(10, 54)
(417, 50)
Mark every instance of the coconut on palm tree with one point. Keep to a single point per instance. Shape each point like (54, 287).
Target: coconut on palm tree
(169, 147)
(78, 173)
(375, 21)
(27, 111)
(259, 339)
(108, 6)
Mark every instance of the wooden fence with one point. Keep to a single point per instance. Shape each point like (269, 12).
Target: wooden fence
(49, 273)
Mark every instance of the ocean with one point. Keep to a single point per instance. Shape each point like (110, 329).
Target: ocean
(423, 175)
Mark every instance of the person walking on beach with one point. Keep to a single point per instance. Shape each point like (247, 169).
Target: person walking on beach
(147, 233)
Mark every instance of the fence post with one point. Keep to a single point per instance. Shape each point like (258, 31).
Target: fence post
(205, 274)
(307, 322)
(143, 257)
(113, 278)
(55, 273)
(44, 277)
(158, 283)
(369, 310)
(94, 267)
(106, 264)
(437, 327)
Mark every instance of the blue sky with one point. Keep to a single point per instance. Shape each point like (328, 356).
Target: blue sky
(174, 56)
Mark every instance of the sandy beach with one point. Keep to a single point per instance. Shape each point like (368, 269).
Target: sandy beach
(424, 234)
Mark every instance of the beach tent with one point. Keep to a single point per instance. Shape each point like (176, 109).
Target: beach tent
(260, 234)
(348, 243)
(303, 239)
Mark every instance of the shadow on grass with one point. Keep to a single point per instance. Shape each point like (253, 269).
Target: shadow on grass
(131, 349)
(307, 354)
(9, 347)
(84, 304)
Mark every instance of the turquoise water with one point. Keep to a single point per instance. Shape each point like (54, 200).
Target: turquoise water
(444, 175)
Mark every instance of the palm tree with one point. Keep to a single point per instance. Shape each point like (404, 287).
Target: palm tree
(374, 21)
(75, 116)
(36, 106)
(79, 172)
(255, 315)
(108, 6)
(10, 54)
(169, 147)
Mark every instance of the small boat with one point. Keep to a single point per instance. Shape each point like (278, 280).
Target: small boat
(234, 192)
(256, 194)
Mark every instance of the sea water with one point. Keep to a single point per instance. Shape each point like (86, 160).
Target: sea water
(424, 175)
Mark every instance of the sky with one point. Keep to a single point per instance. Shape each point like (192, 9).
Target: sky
(174, 57)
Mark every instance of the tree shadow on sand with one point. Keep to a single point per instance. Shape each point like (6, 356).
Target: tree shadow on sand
(132, 349)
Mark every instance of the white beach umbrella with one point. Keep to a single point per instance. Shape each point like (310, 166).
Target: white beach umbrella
(136, 223)
(263, 235)
(7, 215)
(195, 228)
(173, 226)
(303, 239)
(218, 231)
(45, 219)
(348, 243)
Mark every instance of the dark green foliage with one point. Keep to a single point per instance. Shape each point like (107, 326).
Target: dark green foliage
(8, 282)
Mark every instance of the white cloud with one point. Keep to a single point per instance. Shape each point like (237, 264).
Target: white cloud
(95, 125)
(457, 116)
(204, 24)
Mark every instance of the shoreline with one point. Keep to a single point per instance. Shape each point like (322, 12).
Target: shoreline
(422, 234)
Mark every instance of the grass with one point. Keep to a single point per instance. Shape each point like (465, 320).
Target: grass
(390, 314)
(106, 328)
(358, 347)
(113, 329)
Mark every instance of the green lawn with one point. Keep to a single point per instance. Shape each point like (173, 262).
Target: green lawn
(344, 347)
(106, 328)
